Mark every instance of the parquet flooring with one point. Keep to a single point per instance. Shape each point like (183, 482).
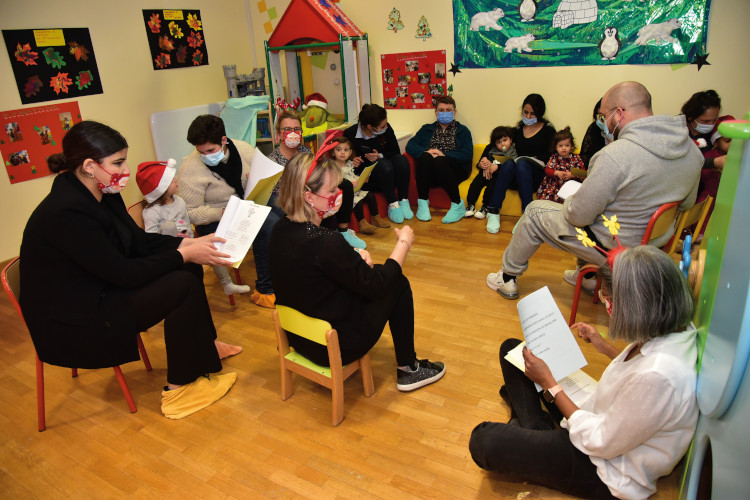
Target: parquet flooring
(251, 444)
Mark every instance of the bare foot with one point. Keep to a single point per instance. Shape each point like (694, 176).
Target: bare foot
(226, 350)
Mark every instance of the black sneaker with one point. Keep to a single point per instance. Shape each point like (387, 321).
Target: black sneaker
(426, 373)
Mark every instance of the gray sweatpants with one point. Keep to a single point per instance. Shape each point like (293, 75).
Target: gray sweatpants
(543, 222)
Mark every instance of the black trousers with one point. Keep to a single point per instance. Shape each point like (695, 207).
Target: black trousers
(531, 447)
(372, 204)
(439, 171)
(178, 298)
(395, 308)
(391, 177)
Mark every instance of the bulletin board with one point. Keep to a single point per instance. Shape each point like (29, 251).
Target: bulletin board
(413, 80)
(52, 64)
(30, 135)
(175, 38)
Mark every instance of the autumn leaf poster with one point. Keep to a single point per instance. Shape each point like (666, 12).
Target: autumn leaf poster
(52, 64)
(175, 38)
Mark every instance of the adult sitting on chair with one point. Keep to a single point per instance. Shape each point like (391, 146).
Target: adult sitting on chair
(652, 162)
(91, 279)
(209, 176)
(443, 151)
(317, 273)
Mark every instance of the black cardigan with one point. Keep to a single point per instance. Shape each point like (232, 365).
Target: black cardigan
(75, 251)
(385, 143)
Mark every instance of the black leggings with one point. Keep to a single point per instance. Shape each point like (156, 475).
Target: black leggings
(178, 298)
(372, 204)
(531, 447)
(395, 308)
(439, 171)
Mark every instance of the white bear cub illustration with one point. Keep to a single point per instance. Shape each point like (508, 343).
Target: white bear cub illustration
(519, 43)
(660, 31)
(487, 20)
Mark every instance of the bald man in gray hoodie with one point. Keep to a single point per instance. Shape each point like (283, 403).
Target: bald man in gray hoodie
(651, 162)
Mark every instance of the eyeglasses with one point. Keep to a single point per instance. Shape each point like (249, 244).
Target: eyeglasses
(601, 118)
(290, 129)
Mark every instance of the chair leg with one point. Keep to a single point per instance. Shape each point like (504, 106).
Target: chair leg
(286, 383)
(365, 368)
(144, 354)
(74, 372)
(237, 276)
(337, 395)
(231, 299)
(576, 298)
(125, 389)
(40, 413)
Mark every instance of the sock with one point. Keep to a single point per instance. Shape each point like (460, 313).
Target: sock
(410, 367)
(343, 229)
(508, 277)
(394, 205)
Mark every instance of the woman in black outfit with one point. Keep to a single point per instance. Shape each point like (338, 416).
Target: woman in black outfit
(315, 272)
(91, 279)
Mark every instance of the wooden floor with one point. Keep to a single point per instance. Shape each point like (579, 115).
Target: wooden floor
(251, 444)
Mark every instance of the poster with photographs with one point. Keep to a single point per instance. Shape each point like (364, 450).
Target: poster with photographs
(30, 135)
(51, 64)
(176, 38)
(413, 80)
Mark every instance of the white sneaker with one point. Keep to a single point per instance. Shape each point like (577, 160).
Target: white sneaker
(587, 285)
(470, 211)
(508, 289)
(481, 214)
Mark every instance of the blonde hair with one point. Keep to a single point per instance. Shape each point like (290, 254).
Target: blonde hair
(293, 185)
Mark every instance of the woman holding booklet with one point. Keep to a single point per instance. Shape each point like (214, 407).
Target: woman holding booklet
(91, 279)
(317, 273)
(640, 419)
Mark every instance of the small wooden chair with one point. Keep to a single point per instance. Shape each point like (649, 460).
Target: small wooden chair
(696, 216)
(659, 223)
(317, 330)
(11, 278)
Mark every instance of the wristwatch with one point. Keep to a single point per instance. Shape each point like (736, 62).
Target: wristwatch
(549, 394)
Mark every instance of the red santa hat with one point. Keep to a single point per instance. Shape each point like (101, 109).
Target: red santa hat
(154, 178)
(715, 135)
(315, 99)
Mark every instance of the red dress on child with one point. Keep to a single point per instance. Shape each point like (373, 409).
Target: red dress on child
(551, 184)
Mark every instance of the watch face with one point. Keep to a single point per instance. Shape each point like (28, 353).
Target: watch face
(548, 397)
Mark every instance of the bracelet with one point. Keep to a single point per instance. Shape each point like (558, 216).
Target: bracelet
(404, 241)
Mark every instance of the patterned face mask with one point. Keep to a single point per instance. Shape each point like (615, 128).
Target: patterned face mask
(117, 182)
(334, 203)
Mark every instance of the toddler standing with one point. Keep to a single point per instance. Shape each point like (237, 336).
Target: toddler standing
(559, 166)
(166, 213)
(501, 145)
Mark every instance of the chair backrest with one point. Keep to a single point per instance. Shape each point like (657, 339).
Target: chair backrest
(136, 212)
(662, 220)
(300, 324)
(11, 277)
(695, 216)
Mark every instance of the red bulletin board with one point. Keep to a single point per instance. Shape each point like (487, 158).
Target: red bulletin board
(413, 80)
(30, 135)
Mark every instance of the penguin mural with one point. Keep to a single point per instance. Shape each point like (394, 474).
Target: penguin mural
(527, 9)
(610, 44)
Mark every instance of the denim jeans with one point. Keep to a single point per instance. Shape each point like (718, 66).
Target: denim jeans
(531, 447)
(522, 173)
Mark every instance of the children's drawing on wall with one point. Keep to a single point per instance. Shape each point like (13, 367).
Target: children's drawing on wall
(175, 38)
(33, 134)
(417, 75)
(50, 64)
(579, 32)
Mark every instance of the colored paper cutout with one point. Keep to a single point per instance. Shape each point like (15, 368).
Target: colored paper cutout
(33, 86)
(163, 60)
(262, 6)
(25, 55)
(176, 47)
(154, 23)
(268, 27)
(84, 79)
(175, 30)
(166, 43)
(272, 14)
(194, 22)
(194, 39)
(49, 38)
(320, 60)
(197, 57)
(80, 52)
(54, 58)
(394, 21)
(60, 82)
(182, 55)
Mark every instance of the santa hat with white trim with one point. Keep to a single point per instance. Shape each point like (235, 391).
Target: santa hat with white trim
(715, 135)
(154, 177)
(315, 99)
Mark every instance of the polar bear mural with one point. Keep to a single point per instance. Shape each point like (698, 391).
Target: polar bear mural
(487, 20)
(519, 43)
(660, 31)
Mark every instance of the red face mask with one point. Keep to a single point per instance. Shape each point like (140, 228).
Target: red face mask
(117, 181)
(334, 203)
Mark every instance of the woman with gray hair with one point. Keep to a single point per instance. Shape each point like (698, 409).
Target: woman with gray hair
(319, 274)
(639, 421)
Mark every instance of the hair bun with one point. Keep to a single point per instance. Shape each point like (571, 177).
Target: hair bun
(56, 162)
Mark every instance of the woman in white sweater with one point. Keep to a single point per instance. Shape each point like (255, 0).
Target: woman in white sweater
(641, 418)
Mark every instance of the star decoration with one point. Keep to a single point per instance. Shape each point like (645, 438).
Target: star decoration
(339, 20)
(701, 61)
(454, 69)
(324, 3)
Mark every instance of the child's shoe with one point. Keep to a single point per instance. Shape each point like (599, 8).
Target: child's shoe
(424, 372)
(481, 214)
(493, 223)
(456, 213)
(423, 210)
(365, 227)
(406, 209)
(378, 221)
(352, 239)
(395, 213)
(470, 211)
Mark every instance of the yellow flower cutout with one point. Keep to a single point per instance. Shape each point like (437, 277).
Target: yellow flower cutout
(583, 238)
(611, 224)
(194, 22)
(175, 30)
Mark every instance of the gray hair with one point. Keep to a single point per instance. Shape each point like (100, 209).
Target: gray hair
(650, 296)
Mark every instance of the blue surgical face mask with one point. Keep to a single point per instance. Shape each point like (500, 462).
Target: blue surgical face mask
(445, 117)
(377, 132)
(703, 128)
(602, 124)
(528, 121)
(213, 159)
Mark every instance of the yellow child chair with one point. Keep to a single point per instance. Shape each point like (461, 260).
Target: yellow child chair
(288, 319)
(696, 216)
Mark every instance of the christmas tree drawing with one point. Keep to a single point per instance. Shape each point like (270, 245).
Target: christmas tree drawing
(423, 29)
(394, 21)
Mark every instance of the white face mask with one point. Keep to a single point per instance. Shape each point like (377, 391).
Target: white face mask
(703, 128)
(213, 159)
(292, 139)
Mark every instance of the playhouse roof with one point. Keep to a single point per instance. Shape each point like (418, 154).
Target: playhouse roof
(311, 21)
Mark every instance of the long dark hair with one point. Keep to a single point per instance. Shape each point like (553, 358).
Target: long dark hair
(372, 115)
(84, 140)
(536, 102)
(699, 103)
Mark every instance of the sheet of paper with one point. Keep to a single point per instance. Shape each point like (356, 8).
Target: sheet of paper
(547, 334)
(536, 160)
(568, 189)
(364, 176)
(240, 225)
(578, 386)
(263, 176)
(579, 172)
(500, 159)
